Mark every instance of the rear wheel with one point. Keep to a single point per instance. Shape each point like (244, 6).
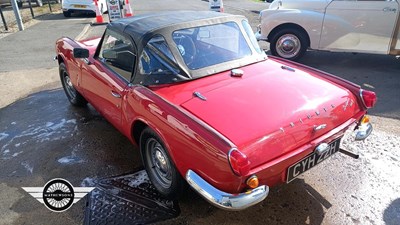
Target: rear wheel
(289, 44)
(159, 166)
(73, 95)
(19, 4)
(67, 13)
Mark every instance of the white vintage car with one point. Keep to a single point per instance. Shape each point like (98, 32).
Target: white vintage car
(368, 26)
(82, 6)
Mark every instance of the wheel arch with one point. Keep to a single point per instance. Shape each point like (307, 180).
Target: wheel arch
(137, 128)
(60, 59)
(290, 26)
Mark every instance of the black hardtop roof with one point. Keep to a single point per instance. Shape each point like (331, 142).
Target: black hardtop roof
(137, 26)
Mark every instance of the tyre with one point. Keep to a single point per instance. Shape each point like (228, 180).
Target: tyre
(19, 4)
(159, 166)
(73, 95)
(39, 3)
(67, 13)
(289, 44)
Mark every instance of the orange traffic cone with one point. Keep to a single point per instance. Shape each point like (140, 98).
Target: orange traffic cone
(128, 9)
(99, 17)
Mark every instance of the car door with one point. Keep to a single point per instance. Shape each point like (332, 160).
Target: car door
(105, 80)
(359, 25)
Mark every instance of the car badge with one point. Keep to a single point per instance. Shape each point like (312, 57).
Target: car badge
(349, 102)
(319, 127)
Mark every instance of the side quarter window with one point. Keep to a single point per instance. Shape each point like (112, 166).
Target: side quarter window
(157, 58)
(118, 53)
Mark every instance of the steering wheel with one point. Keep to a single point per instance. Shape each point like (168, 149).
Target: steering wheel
(186, 47)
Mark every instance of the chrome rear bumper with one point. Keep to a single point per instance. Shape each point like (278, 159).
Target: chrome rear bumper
(258, 35)
(363, 131)
(225, 200)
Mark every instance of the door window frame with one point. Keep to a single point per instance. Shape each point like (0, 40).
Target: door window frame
(133, 48)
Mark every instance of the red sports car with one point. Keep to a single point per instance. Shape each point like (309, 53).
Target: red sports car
(206, 106)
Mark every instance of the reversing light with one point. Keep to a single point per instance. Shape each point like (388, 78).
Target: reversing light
(252, 181)
(239, 162)
(368, 97)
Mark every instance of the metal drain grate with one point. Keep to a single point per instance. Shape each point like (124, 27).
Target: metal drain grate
(128, 199)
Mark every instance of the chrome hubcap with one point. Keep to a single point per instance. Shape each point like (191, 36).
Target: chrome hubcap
(69, 87)
(288, 46)
(161, 167)
(161, 164)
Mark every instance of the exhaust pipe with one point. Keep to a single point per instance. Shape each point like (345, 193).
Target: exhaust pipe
(348, 153)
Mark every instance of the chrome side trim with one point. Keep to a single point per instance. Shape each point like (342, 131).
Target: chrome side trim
(225, 200)
(363, 131)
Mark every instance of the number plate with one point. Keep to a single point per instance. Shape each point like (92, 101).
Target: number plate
(80, 6)
(311, 160)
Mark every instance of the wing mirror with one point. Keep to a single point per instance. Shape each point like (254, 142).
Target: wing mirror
(81, 53)
(109, 54)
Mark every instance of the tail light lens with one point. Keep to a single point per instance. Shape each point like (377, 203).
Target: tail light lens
(239, 162)
(369, 98)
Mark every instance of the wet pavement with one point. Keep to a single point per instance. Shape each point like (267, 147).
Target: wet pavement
(44, 137)
(77, 144)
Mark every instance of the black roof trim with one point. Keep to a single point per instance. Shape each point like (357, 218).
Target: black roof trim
(138, 26)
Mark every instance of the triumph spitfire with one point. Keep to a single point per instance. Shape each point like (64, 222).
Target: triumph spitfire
(206, 106)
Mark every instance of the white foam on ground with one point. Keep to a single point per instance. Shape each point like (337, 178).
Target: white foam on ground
(88, 182)
(139, 178)
(3, 136)
(49, 131)
(27, 166)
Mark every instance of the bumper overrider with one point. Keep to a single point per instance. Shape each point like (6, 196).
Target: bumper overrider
(225, 200)
(257, 34)
(363, 131)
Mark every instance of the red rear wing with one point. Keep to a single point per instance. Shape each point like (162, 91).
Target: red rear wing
(354, 88)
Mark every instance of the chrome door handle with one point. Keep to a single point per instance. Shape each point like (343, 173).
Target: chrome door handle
(115, 94)
(388, 9)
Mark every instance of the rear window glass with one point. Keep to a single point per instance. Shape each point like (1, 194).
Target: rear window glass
(210, 45)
